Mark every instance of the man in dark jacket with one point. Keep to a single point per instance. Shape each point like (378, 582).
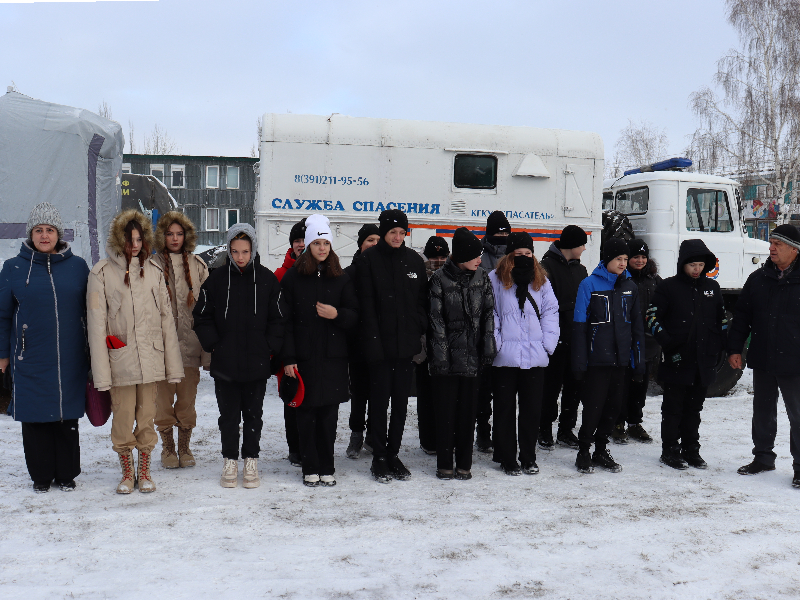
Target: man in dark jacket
(768, 310)
(565, 272)
(687, 318)
(393, 292)
(494, 248)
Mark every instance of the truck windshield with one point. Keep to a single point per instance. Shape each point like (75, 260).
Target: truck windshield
(708, 210)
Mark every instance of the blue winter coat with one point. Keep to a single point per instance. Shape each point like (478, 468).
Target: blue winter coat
(608, 329)
(43, 331)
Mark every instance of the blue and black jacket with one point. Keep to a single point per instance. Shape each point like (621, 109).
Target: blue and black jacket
(607, 326)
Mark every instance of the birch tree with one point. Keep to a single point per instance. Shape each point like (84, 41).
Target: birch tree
(639, 144)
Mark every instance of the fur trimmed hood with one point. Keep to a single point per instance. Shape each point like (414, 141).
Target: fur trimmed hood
(116, 238)
(189, 231)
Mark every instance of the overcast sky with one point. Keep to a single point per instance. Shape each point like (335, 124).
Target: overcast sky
(205, 71)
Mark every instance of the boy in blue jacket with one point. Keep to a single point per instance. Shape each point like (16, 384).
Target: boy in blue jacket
(607, 337)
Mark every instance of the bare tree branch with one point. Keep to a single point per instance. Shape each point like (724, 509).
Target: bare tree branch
(638, 144)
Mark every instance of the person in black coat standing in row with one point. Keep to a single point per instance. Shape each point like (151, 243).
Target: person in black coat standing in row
(644, 273)
(393, 293)
(321, 306)
(562, 262)
(687, 317)
(368, 236)
(461, 344)
(768, 311)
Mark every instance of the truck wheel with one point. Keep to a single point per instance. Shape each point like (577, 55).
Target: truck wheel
(616, 225)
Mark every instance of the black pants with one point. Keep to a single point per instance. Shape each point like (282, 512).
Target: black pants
(52, 450)
(603, 391)
(680, 415)
(558, 380)
(632, 410)
(359, 395)
(389, 382)
(765, 414)
(456, 402)
(426, 407)
(507, 384)
(317, 428)
(240, 402)
(484, 407)
(290, 423)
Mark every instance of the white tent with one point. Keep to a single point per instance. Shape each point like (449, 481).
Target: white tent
(67, 156)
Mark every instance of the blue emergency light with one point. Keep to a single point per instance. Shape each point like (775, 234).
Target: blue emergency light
(672, 164)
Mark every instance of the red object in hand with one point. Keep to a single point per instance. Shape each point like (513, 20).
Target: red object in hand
(113, 343)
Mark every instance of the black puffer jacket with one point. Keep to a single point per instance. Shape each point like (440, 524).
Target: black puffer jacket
(768, 310)
(688, 350)
(565, 277)
(647, 279)
(239, 319)
(461, 334)
(493, 251)
(393, 294)
(319, 346)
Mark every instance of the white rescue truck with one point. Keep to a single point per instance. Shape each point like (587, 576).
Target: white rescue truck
(442, 175)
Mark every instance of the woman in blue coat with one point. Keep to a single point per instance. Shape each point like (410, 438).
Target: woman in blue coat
(43, 339)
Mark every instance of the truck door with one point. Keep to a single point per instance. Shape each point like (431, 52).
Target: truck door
(578, 190)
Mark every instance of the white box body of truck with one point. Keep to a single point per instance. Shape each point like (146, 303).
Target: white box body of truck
(442, 175)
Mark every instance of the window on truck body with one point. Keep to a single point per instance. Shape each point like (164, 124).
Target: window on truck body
(708, 211)
(475, 171)
(633, 201)
(608, 200)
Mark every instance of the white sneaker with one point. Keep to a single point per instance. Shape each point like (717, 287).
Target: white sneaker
(230, 473)
(250, 479)
(328, 480)
(311, 480)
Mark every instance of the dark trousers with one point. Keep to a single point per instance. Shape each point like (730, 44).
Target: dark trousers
(603, 390)
(508, 383)
(52, 450)
(290, 424)
(765, 414)
(484, 407)
(456, 402)
(317, 428)
(240, 402)
(680, 415)
(426, 407)
(359, 395)
(558, 380)
(389, 383)
(632, 410)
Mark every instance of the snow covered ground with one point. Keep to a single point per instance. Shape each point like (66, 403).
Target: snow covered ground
(648, 532)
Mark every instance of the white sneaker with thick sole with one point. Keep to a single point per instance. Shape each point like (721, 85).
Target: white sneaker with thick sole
(311, 480)
(250, 478)
(230, 473)
(327, 480)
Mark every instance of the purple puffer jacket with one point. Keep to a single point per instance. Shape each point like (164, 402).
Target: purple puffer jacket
(523, 340)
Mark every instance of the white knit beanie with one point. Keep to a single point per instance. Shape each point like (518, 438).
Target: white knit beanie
(318, 227)
(45, 214)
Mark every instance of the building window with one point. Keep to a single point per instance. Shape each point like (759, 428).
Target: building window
(232, 178)
(177, 176)
(212, 219)
(708, 210)
(157, 171)
(212, 177)
(633, 202)
(233, 217)
(475, 171)
(126, 168)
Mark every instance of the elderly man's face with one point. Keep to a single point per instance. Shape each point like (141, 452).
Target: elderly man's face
(781, 254)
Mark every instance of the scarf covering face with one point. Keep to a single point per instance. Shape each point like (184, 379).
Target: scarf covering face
(522, 274)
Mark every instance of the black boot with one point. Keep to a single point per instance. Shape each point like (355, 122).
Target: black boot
(546, 437)
(796, 478)
(380, 470)
(618, 434)
(583, 462)
(693, 458)
(566, 438)
(672, 458)
(356, 442)
(398, 469)
(602, 458)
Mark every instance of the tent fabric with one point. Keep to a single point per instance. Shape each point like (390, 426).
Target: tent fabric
(67, 156)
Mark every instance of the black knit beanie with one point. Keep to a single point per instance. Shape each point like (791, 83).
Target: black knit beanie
(612, 248)
(436, 247)
(519, 239)
(390, 219)
(298, 231)
(465, 246)
(497, 222)
(366, 231)
(788, 234)
(638, 247)
(572, 236)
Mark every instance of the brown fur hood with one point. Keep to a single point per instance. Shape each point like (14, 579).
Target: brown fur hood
(116, 238)
(189, 231)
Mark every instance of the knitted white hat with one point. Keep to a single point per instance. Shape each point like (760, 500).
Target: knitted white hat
(318, 227)
(45, 214)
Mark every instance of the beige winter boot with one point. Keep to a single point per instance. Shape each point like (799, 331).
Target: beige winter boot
(184, 453)
(125, 486)
(230, 473)
(250, 479)
(169, 459)
(146, 483)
